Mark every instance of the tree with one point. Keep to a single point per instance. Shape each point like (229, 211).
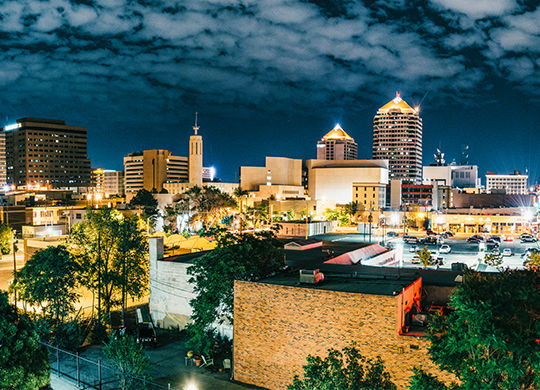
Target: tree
(422, 380)
(491, 339)
(207, 204)
(112, 254)
(24, 363)
(6, 239)
(343, 371)
(145, 199)
(128, 358)
(236, 257)
(493, 259)
(424, 255)
(533, 261)
(351, 209)
(49, 280)
(337, 214)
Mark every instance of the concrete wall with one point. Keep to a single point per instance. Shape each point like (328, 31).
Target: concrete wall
(276, 327)
(170, 291)
(298, 228)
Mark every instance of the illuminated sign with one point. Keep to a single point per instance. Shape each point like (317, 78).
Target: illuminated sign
(12, 127)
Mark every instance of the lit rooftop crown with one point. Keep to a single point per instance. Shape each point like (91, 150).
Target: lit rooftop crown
(337, 133)
(397, 103)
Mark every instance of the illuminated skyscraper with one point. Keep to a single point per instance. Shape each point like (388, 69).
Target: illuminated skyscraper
(397, 137)
(337, 145)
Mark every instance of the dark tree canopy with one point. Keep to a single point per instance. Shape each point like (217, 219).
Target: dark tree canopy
(24, 364)
(49, 280)
(236, 257)
(492, 338)
(146, 200)
(347, 370)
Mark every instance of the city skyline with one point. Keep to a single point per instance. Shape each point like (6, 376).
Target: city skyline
(271, 78)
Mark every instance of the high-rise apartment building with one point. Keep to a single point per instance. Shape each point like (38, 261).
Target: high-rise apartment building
(397, 137)
(337, 145)
(46, 153)
(510, 184)
(3, 178)
(151, 168)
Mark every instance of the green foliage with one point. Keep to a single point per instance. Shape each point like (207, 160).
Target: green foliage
(422, 380)
(112, 253)
(24, 364)
(351, 209)
(289, 215)
(207, 204)
(493, 259)
(533, 261)
(129, 358)
(66, 335)
(424, 255)
(145, 199)
(6, 239)
(491, 339)
(236, 257)
(343, 371)
(49, 281)
(337, 214)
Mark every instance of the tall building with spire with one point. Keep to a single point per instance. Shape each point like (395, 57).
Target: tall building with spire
(397, 137)
(195, 157)
(337, 145)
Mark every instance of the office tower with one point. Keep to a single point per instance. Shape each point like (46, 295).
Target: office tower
(337, 145)
(151, 168)
(397, 137)
(195, 157)
(46, 153)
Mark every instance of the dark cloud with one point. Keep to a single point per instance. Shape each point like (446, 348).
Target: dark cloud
(146, 59)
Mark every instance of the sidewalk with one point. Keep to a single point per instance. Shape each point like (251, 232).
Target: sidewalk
(168, 366)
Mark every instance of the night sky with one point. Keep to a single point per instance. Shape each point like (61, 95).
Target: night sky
(271, 77)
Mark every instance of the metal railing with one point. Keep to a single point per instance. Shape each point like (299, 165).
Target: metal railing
(91, 374)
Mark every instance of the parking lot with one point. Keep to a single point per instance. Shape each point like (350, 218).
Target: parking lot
(464, 252)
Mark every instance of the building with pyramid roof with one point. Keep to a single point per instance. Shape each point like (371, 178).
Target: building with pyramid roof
(337, 145)
(397, 137)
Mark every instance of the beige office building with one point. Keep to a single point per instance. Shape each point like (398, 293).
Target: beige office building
(108, 182)
(151, 168)
(333, 180)
(510, 184)
(277, 171)
(3, 178)
(337, 145)
(397, 137)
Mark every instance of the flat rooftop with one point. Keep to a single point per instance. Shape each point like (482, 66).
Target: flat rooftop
(367, 280)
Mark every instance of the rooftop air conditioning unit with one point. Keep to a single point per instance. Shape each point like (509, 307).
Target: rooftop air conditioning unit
(309, 276)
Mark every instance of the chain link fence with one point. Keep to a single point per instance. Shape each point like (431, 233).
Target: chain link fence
(91, 374)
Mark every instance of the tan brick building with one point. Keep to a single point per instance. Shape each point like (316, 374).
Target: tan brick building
(277, 323)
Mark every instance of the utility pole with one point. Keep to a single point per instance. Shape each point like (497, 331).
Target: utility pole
(307, 219)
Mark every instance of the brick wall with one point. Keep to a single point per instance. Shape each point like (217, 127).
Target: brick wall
(276, 327)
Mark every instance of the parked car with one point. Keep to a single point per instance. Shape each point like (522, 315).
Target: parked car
(146, 334)
(445, 248)
(507, 252)
(527, 238)
(508, 238)
(449, 233)
(410, 239)
(415, 260)
(475, 238)
(392, 234)
(430, 240)
(437, 260)
(414, 249)
(431, 233)
(492, 239)
(528, 252)
(495, 250)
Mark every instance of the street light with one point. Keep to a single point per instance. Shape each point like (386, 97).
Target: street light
(191, 386)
